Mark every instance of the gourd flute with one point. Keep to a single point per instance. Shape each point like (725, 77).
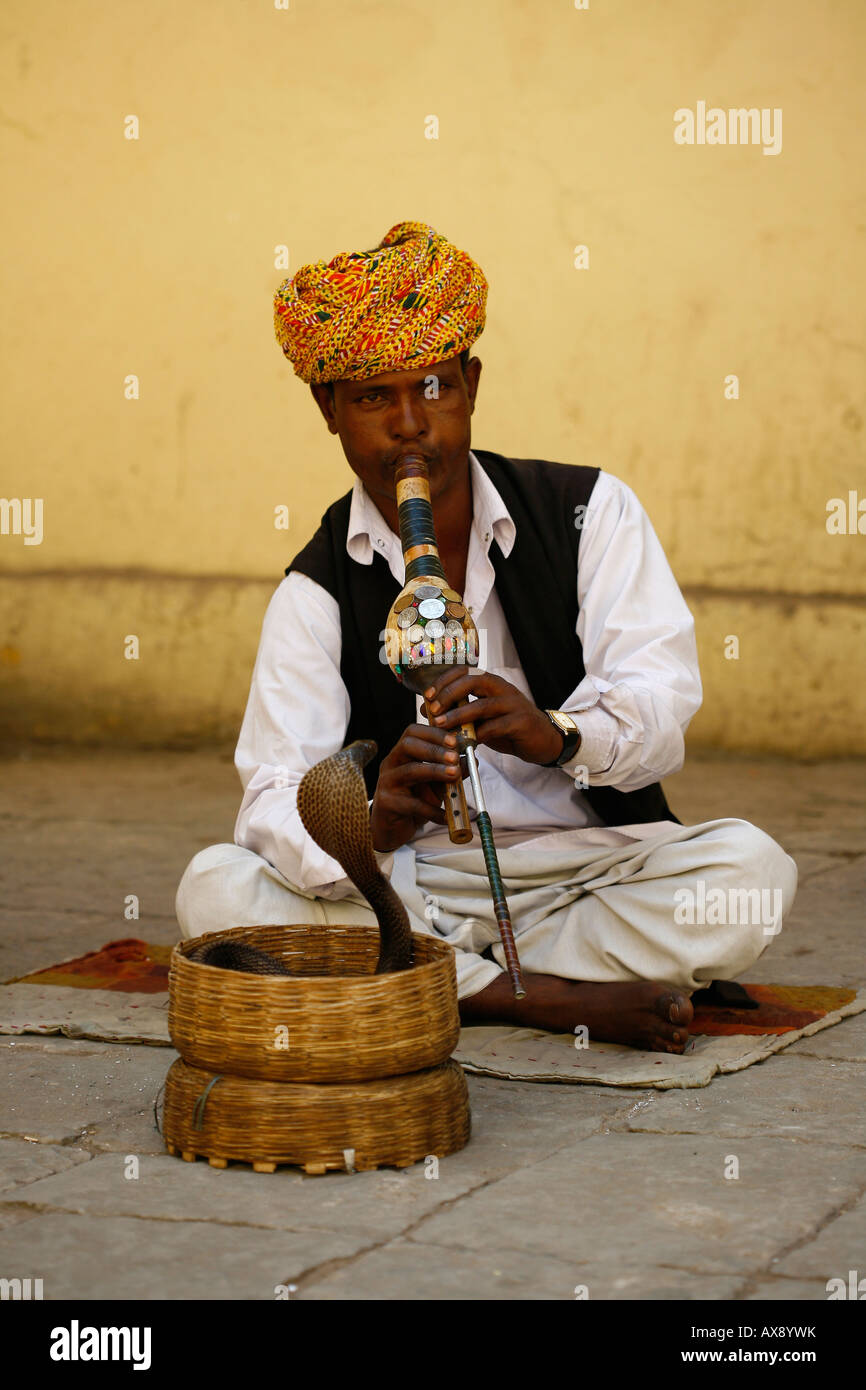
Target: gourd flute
(428, 627)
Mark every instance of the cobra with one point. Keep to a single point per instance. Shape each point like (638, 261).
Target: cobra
(332, 804)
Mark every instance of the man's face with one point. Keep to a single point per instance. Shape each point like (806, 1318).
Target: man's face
(426, 410)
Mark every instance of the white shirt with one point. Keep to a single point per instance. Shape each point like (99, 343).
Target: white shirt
(641, 689)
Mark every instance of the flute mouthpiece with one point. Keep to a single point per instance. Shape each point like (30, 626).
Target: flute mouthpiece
(411, 458)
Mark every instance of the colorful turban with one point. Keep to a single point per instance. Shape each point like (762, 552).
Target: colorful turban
(410, 302)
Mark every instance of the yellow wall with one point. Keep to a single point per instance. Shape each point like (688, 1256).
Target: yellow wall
(306, 127)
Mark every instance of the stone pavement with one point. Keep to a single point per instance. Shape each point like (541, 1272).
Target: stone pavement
(623, 1192)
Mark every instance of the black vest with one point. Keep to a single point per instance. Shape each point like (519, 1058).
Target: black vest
(536, 586)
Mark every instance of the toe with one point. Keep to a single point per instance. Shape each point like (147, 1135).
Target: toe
(678, 1009)
(671, 1037)
(670, 1032)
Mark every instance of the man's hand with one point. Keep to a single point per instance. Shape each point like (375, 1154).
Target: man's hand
(505, 720)
(411, 784)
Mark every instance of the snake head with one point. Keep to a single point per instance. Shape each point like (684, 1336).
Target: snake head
(332, 804)
(360, 752)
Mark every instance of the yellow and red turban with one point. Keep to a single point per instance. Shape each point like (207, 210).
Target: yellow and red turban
(411, 301)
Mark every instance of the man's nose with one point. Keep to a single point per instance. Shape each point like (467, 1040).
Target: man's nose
(409, 418)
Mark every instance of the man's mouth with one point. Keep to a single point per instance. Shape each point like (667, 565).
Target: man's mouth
(411, 454)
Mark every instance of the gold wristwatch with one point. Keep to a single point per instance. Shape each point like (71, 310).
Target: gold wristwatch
(570, 733)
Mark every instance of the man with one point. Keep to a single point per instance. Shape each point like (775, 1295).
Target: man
(578, 613)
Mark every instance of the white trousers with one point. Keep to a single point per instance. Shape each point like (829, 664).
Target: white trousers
(677, 904)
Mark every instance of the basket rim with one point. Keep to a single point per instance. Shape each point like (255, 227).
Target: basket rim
(415, 971)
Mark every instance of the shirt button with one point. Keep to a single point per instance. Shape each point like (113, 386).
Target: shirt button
(380, 543)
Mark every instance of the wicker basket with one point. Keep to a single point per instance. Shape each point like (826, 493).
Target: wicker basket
(334, 1022)
(394, 1121)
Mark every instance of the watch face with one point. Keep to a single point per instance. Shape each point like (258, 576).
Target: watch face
(570, 736)
(562, 721)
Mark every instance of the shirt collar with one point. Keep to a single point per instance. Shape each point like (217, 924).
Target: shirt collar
(368, 531)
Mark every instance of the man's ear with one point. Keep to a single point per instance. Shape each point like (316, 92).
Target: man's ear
(473, 372)
(325, 401)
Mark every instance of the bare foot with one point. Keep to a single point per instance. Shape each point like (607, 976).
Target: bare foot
(639, 1013)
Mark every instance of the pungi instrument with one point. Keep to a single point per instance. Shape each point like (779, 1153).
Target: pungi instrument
(428, 627)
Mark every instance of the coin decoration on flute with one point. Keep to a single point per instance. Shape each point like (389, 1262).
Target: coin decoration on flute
(428, 623)
(428, 626)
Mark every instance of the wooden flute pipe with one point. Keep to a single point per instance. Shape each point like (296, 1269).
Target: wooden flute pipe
(456, 807)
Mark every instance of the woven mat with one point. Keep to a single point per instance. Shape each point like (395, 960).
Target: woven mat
(528, 1054)
(119, 994)
(104, 1014)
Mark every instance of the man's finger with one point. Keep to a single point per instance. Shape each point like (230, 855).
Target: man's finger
(435, 748)
(422, 732)
(469, 713)
(451, 697)
(406, 773)
(447, 676)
